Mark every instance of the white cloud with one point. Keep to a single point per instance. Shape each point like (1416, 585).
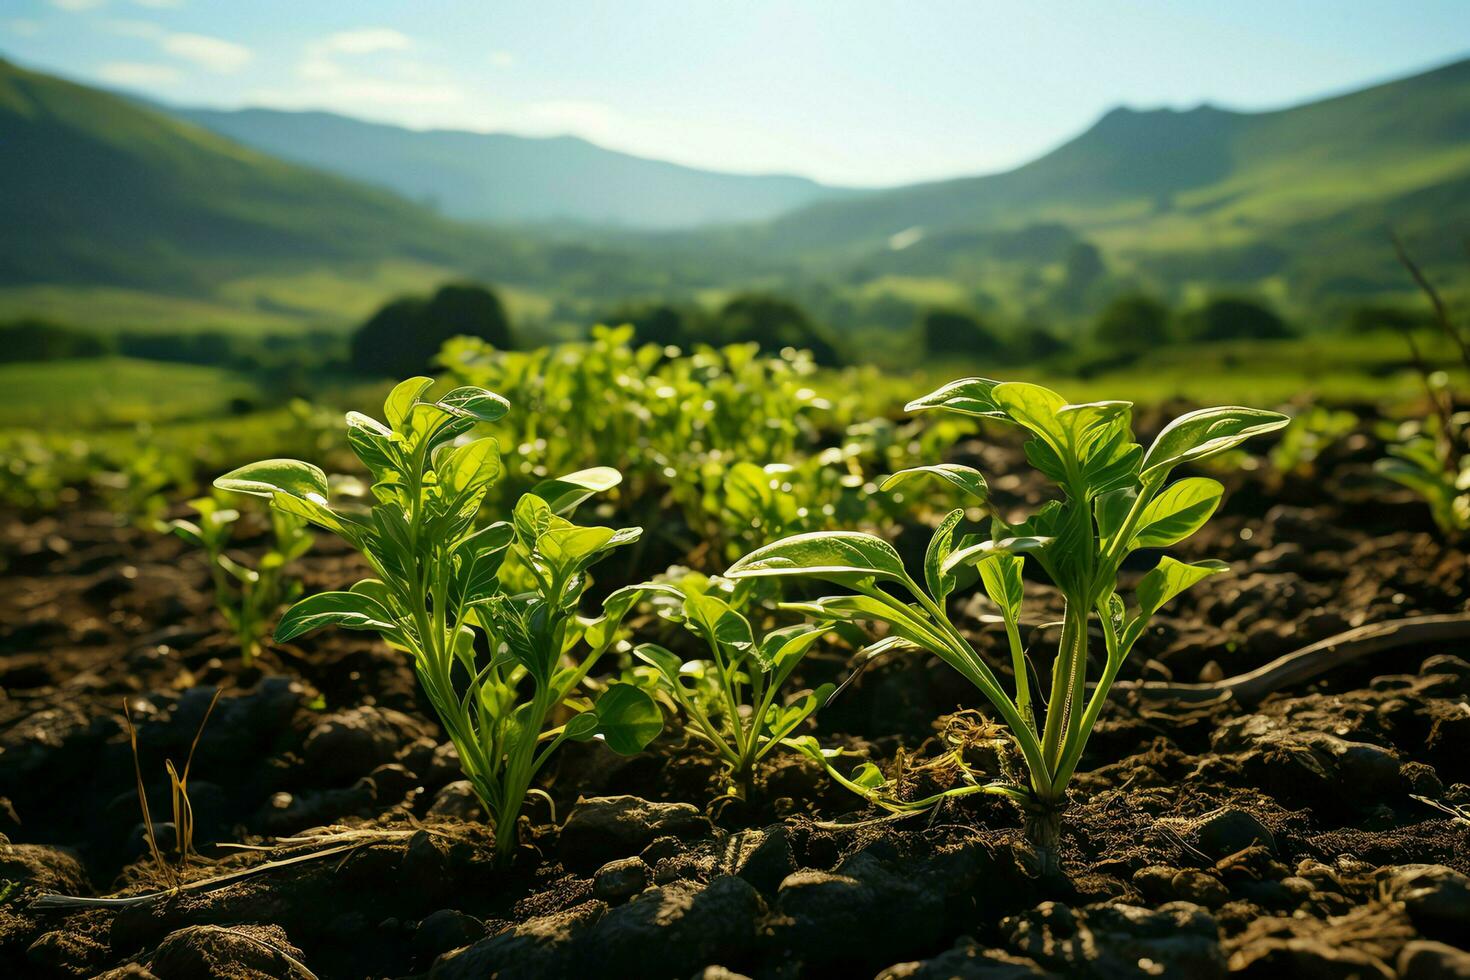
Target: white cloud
(365, 40)
(76, 5)
(138, 73)
(134, 28)
(363, 71)
(23, 27)
(211, 53)
(502, 59)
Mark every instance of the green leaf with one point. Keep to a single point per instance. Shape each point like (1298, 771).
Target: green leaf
(401, 400)
(292, 486)
(941, 545)
(964, 478)
(985, 550)
(372, 442)
(1207, 432)
(1090, 422)
(566, 547)
(628, 719)
(967, 396)
(1111, 510)
(1170, 578)
(469, 467)
(905, 621)
(845, 557)
(1176, 513)
(271, 476)
(186, 530)
(564, 493)
(780, 650)
(580, 727)
(469, 402)
(532, 518)
(1034, 407)
(350, 610)
(665, 661)
(1001, 576)
(719, 624)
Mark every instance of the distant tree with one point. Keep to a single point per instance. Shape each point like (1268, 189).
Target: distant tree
(773, 323)
(41, 340)
(1133, 322)
(1085, 266)
(1367, 319)
(956, 332)
(1231, 318)
(403, 337)
(1032, 343)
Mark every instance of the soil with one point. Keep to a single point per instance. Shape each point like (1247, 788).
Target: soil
(1289, 838)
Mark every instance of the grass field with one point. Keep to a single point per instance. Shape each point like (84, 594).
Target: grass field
(113, 391)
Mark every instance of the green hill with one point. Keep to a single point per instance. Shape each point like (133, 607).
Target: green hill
(102, 192)
(499, 177)
(1306, 195)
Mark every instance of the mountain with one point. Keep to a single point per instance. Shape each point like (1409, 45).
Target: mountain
(1311, 191)
(99, 190)
(497, 177)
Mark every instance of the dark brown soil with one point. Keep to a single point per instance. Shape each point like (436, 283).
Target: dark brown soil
(1203, 840)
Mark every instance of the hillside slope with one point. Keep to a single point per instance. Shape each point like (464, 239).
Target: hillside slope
(1183, 189)
(504, 178)
(99, 190)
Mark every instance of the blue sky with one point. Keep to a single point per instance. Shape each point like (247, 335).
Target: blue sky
(849, 91)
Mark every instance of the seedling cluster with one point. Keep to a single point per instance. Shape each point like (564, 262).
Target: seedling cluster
(491, 611)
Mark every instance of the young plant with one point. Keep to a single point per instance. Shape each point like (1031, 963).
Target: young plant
(1116, 499)
(488, 611)
(248, 598)
(1432, 455)
(1431, 459)
(731, 698)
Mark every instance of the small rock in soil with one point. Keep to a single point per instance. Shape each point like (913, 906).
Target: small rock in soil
(1227, 830)
(445, 930)
(620, 879)
(457, 800)
(671, 931)
(350, 743)
(67, 954)
(967, 961)
(1437, 899)
(43, 868)
(1424, 960)
(765, 859)
(605, 827)
(879, 914)
(1176, 939)
(1200, 888)
(211, 952)
(676, 929)
(1304, 957)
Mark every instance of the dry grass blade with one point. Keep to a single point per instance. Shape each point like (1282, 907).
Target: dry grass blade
(340, 843)
(164, 870)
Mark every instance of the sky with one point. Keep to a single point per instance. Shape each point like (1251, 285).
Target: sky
(858, 92)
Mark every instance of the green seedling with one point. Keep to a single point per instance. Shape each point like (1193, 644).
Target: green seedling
(488, 611)
(1116, 499)
(248, 598)
(1430, 458)
(1311, 433)
(734, 700)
